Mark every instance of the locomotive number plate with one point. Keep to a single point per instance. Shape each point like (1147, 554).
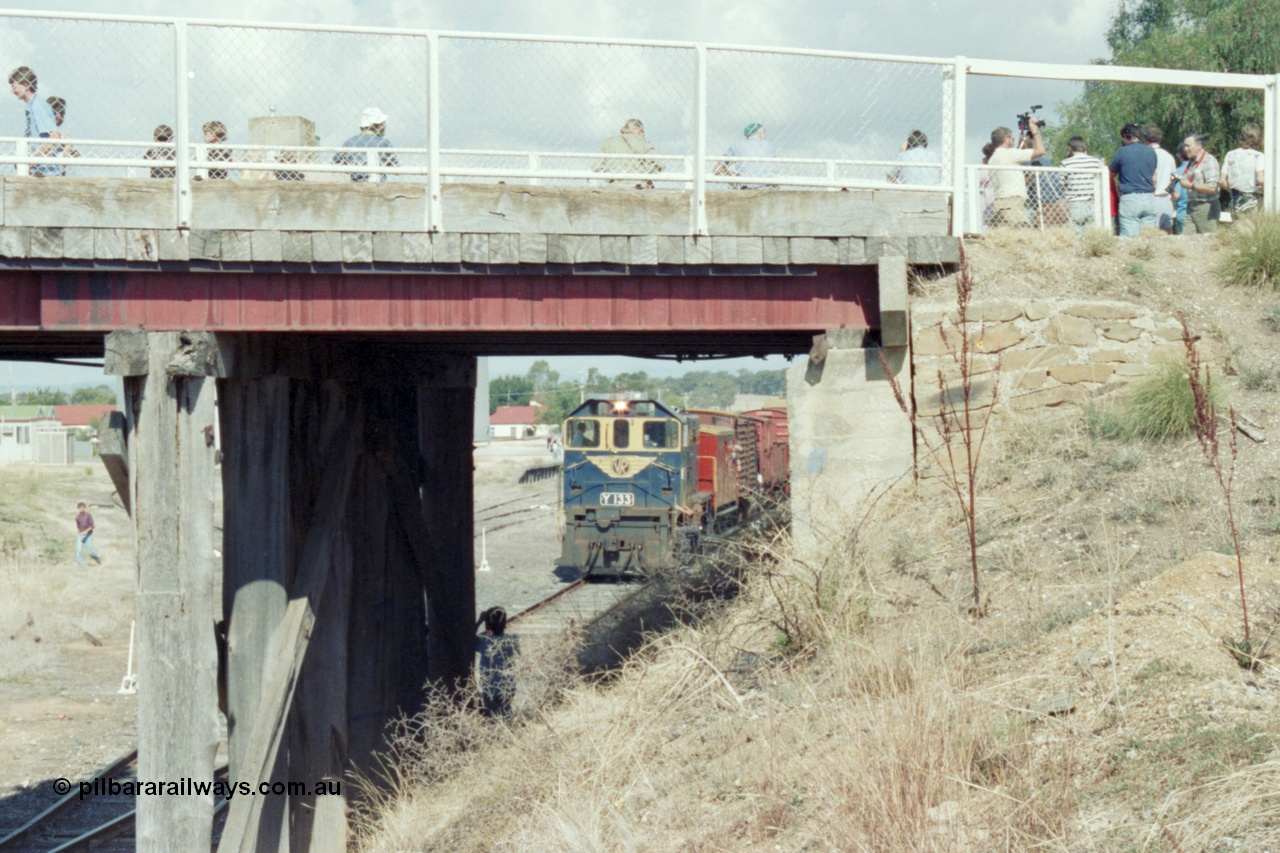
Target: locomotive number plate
(617, 499)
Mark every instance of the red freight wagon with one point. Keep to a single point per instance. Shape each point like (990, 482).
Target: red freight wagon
(717, 472)
(772, 446)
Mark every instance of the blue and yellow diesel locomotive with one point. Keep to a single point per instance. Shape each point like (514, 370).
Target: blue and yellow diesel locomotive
(629, 486)
(642, 482)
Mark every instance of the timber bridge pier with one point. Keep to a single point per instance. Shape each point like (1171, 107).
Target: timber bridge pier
(338, 322)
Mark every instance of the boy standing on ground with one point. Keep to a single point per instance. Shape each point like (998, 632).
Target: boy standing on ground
(84, 536)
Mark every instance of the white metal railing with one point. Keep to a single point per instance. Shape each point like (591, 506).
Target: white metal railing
(1055, 197)
(519, 108)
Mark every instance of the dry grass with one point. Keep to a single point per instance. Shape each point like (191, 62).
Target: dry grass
(48, 600)
(849, 703)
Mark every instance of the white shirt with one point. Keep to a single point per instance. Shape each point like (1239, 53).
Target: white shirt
(1164, 171)
(1009, 183)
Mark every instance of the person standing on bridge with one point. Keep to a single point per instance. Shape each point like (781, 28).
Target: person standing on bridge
(373, 129)
(629, 141)
(921, 166)
(41, 122)
(1010, 184)
(756, 146)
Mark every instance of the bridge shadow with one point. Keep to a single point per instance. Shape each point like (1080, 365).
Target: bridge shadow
(21, 806)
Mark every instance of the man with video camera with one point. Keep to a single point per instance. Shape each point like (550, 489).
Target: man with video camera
(1010, 184)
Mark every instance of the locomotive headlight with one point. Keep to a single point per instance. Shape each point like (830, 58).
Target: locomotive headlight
(619, 407)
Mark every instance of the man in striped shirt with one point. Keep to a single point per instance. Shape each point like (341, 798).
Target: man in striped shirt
(1082, 183)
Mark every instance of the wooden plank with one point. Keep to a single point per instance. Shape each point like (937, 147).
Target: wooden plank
(266, 247)
(295, 247)
(475, 248)
(357, 247)
(257, 540)
(388, 247)
(126, 353)
(290, 642)
(445, 441)
(615, 250)
(46, 242)
(174, 246)
(504, 248)
(237, 246)
(417, 248)
(533, 248)
(171, 459)
(114, 453)
(141, 245)
(318, 724)
(446, 248)
(644, 251)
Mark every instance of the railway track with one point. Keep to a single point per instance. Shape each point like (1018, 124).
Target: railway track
(96, 821)
(105, 822)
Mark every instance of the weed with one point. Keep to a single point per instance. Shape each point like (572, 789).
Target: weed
(1138, 269)
(1097, 242)
(1162, 406)
(1259, 379)
(1252, 253)
(1057, 617)
(1271, 320)
(1144, 251)
(1123, 460)
(1206, 426)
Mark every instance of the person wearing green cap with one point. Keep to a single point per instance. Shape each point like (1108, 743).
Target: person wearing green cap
(757, 151)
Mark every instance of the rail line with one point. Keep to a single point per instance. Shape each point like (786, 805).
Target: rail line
(94, 822)
(106, 822)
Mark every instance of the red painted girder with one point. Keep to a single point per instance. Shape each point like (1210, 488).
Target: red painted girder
(221, 301)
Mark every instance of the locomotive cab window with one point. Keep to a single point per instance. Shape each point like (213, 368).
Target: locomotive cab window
(621, 434)
(661, 434)
(584, 433)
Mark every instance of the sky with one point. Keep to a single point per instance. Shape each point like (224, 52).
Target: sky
(240, 72)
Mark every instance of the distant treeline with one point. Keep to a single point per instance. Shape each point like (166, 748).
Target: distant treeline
(697, 389)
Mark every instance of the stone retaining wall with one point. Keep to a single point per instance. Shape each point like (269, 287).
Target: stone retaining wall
(1048, 353)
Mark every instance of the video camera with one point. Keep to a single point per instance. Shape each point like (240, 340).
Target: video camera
(1025, 119)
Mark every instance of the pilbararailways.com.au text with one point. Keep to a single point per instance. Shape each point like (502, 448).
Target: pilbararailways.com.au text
(190, 787)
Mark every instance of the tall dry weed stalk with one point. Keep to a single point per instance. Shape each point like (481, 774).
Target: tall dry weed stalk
(1223, 471)
(956, 443)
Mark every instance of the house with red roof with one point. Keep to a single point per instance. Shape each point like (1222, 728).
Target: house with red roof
(82, 415)
(517, 422)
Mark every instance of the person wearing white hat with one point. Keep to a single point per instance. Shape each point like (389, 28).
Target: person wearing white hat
(373, 128)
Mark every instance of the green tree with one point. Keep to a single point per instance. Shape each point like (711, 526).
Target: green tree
(97, 395)
(541, 377)
(1238, 36)
(43, 396)
(509, 391)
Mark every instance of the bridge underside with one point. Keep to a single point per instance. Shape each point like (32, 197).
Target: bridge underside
(48, 314)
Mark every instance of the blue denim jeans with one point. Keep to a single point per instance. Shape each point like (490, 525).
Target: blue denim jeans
(1138, 210)
(84, 542)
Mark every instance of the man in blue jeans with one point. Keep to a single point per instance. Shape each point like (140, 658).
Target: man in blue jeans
(84, 535)
(1135, 167)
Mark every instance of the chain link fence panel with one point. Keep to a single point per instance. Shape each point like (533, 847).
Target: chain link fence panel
(827, 118)
(565, 100)
(115, 81)
(278, 92)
